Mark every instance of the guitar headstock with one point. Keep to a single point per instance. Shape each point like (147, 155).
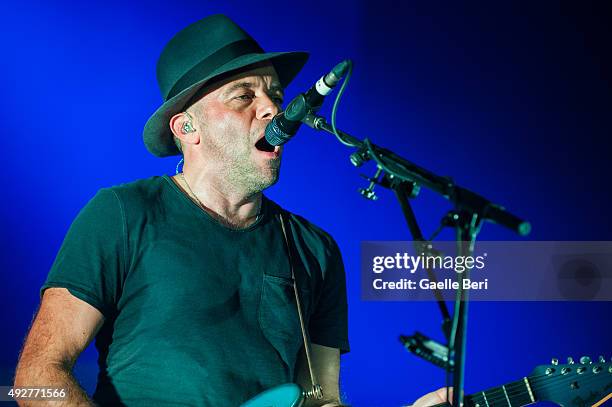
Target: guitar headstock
(575, 384)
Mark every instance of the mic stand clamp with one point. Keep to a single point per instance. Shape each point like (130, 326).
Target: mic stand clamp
(368, 193)
(428, 349)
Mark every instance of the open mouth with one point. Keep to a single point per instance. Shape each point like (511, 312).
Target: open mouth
(263, 145)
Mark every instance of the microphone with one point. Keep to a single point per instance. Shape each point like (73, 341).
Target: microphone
(286, 124)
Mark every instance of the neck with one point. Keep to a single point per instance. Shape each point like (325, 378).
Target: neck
(224, 202)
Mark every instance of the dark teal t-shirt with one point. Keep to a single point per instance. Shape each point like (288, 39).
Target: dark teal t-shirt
(197, 313)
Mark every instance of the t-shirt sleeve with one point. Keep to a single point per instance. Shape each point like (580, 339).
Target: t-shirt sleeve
(328, 325)
(91, 260)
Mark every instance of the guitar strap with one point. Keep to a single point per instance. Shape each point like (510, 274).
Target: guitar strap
(316, 391)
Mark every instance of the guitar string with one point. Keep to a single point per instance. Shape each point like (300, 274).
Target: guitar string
(539, 381)
(536, 381)
(498, 397)
(560, 381)
(509, 391)
(493, 398)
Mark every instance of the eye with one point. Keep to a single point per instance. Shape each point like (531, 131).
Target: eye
(245, 97)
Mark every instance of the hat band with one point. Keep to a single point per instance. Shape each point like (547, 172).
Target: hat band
(212, 62)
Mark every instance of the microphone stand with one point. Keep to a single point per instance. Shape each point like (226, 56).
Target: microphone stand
(405, 178)
(404, 191)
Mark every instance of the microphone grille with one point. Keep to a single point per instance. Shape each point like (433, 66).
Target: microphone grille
(274, 135)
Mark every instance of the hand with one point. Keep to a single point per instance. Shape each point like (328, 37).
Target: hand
(433, 398)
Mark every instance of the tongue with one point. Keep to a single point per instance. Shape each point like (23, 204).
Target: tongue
(263, 145)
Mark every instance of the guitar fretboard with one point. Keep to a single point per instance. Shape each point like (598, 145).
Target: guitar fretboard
(514, 394)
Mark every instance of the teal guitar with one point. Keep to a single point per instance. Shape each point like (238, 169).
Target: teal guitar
(584, 384)
(285, 395)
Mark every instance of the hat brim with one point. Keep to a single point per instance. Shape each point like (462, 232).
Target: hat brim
(158, 137)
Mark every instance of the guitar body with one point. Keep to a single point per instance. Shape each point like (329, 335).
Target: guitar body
(285, 395)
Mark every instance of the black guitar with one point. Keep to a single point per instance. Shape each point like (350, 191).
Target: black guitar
(582, 384)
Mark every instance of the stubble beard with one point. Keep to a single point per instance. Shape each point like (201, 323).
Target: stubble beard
(241, 172)
(249, 178)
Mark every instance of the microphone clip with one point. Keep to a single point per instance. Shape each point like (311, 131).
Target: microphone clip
(297, 109)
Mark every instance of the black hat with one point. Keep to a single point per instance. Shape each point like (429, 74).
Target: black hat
(205, 49)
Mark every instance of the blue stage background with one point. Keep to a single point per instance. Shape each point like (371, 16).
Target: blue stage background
(512, 100)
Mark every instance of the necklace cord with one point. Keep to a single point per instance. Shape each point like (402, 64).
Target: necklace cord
(209, 211)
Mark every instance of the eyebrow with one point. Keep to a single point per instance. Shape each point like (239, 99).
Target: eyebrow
(275, 87)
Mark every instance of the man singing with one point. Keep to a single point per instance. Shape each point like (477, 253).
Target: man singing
(193, 285)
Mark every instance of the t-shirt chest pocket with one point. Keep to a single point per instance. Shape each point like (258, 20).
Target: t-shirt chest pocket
(278, 316)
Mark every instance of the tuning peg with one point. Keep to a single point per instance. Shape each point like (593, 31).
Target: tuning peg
(554, 361)
(570, 361)
(565, 370)
(597, 369)
(602, 359)
(585, 360)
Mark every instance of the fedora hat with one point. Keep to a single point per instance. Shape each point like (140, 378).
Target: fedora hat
(202, 51)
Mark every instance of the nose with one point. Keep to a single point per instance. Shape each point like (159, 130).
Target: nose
(266, 108)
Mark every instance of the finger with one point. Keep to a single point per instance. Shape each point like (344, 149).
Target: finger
(441, 392)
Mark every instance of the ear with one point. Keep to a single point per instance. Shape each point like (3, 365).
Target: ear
(184, 128)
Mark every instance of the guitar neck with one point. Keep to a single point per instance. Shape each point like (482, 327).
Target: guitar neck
(585, 384)
(514, 394)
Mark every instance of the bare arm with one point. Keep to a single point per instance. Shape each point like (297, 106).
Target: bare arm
(62, 329)
(326, 365)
